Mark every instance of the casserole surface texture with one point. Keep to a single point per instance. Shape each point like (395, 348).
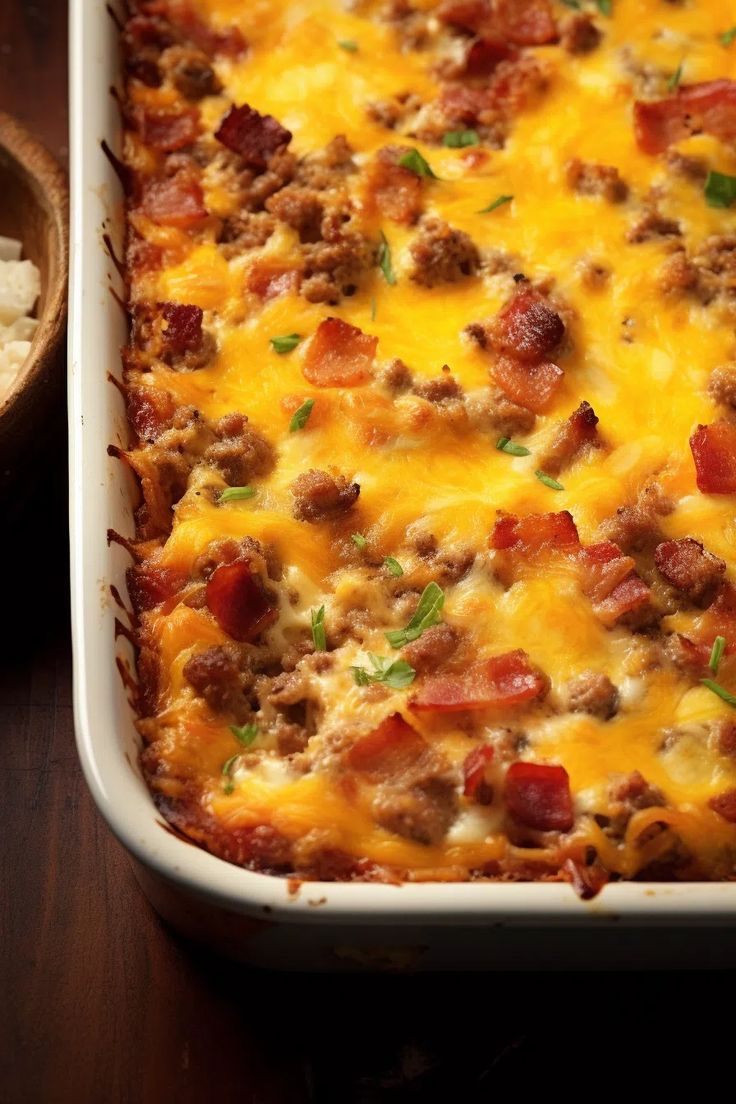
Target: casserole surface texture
(431, 388)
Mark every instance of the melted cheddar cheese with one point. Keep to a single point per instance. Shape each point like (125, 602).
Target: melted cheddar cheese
(651, 768)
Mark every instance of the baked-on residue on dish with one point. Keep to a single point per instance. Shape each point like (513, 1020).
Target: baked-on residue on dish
(432, 393)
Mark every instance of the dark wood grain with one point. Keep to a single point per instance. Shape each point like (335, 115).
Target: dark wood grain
(99, 1004)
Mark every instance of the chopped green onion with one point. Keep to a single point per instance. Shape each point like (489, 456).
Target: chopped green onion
(301, 416)
(504, 444)
(548, 481)
(245, 734)
(236, 494)
(285, 343)
(397, 673)
(414, 162)
(227, 770)
(427, 614)
(348, 44)
(384, 260)
(394, 566)
(719, 691)
(318, 629)
(674, 81)
(359, 541)
(720, 189)
(458, 139)
(716, 655)
(605, 7)
(728, 37)
(498, 202)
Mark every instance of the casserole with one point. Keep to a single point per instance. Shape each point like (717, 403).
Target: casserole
(248, 913)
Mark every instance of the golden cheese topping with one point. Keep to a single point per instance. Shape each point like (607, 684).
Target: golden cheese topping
(431, 381)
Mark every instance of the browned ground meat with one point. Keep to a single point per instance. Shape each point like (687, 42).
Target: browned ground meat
(254, 187)
(421, 807)
(334, 265)
(441, 389)
(432, 649)
(239, 452)
(222, 676)
(576, 435)
(678, 273)
(652, 225)
(190, 72)
(690, 568)
(722, 384)
(319, 496)
(396, 376)
(301, 208)
(447, 567)
(262, 558)
(592, 692)
(495, 411)
(442, 255)
(590, 179)
(245, 231)
(707, 272)
(627, 794)
(579, 34)
(636, 528)
(683, 165)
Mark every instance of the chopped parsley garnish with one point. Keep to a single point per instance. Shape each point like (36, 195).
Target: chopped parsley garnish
(720, 189)
(236, 494)
(359, 541)
(427, 614)
(414, 162)
(227, 771)
(505, 444)
(319, 635)
(498, 202)
(459, 139)
(605, 7)
(548, 480)
(301, 416)
(716, 655)
(384, 260)
(348, 44)
(727, 38)
(674, 81)
(394, 566)
(394, 673)
(245, 734)
(285, 343)
(719, 691)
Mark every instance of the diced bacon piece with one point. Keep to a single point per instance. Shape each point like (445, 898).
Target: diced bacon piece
(709, 106)
(238, 602)
(533, 386)
(168, 131)
(503, 680)
(463, 106)
(150, 411)
(611, 583)
(150, 586)
(718, 620)
(535, 532)
(725, 805)
(227, 41)
(476, 786)
(572, 436)
(538, 795)
(627, 596)
(527, 328)
(253, 136)
(394, 191)
(483, 56)
(387, 751)
(689, 567)
(714, 452)
(521, 22)
(173, 201)
(339, 355)
(183, 330)
(268, 281)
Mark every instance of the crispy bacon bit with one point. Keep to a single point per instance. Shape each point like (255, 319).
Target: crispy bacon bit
(168, 131)
(477, 786)
(268, 281)
(611, 583)
(725, 805)
(253, 136)
(527, 327)
(718, 620)
(686, 565)
(237, 601)
(538, 795)
(150, 586)
(533, 386)
(709, 106)
(150, 411)
(183, 330)
(572, 436)
(174, 201)
(521, 22)
(387, 751)
(483, 56)
(394, 191)
(339, 355)
(714, 452)
(535, 532)
(502, 680)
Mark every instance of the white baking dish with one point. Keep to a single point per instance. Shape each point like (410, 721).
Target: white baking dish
(253, 915)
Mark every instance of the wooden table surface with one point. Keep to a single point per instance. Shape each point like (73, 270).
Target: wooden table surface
(99, 1004)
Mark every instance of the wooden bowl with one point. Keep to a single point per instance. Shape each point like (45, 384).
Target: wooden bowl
(34, 207)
